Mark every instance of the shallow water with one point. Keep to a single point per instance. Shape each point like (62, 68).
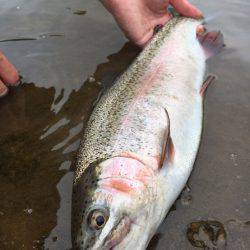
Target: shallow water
(77, 50)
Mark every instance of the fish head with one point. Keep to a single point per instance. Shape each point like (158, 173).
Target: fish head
(114, 206)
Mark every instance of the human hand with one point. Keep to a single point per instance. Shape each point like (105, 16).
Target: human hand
(138, 18)
(8, 75)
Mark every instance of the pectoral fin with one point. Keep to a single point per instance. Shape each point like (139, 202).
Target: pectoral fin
(168, 146)
(206, 83)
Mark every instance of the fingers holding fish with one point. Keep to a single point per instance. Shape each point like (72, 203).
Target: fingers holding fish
(140, 19)
(186, 9)
(8, 72)
(3, 89)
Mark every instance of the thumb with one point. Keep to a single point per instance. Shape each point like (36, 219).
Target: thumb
(186, 9)
(8, 73)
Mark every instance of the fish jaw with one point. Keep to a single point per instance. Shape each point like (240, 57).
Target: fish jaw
(119, 231)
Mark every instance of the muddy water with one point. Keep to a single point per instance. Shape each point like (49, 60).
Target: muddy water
(70, 52)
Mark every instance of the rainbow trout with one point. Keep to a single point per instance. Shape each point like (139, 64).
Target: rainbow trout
(141, 141)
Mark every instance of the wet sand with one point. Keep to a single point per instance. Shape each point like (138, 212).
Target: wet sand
(76, 52)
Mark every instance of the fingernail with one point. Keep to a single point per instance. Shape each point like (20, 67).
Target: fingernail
(200, 15)
(3, 91)
(17, 83)
(14, 82)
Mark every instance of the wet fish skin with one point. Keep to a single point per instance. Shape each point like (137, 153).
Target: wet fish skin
(118, 168)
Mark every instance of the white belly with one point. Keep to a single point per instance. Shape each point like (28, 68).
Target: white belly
(180, 96)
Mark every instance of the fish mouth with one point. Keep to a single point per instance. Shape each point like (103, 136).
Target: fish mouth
(119, 232)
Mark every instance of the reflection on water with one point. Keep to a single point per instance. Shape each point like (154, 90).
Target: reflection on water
(29, 166)
(37, 148)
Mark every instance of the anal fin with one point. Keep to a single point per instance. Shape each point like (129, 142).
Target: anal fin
(212, 42)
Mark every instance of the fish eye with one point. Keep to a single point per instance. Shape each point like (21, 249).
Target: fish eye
(97, 219)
